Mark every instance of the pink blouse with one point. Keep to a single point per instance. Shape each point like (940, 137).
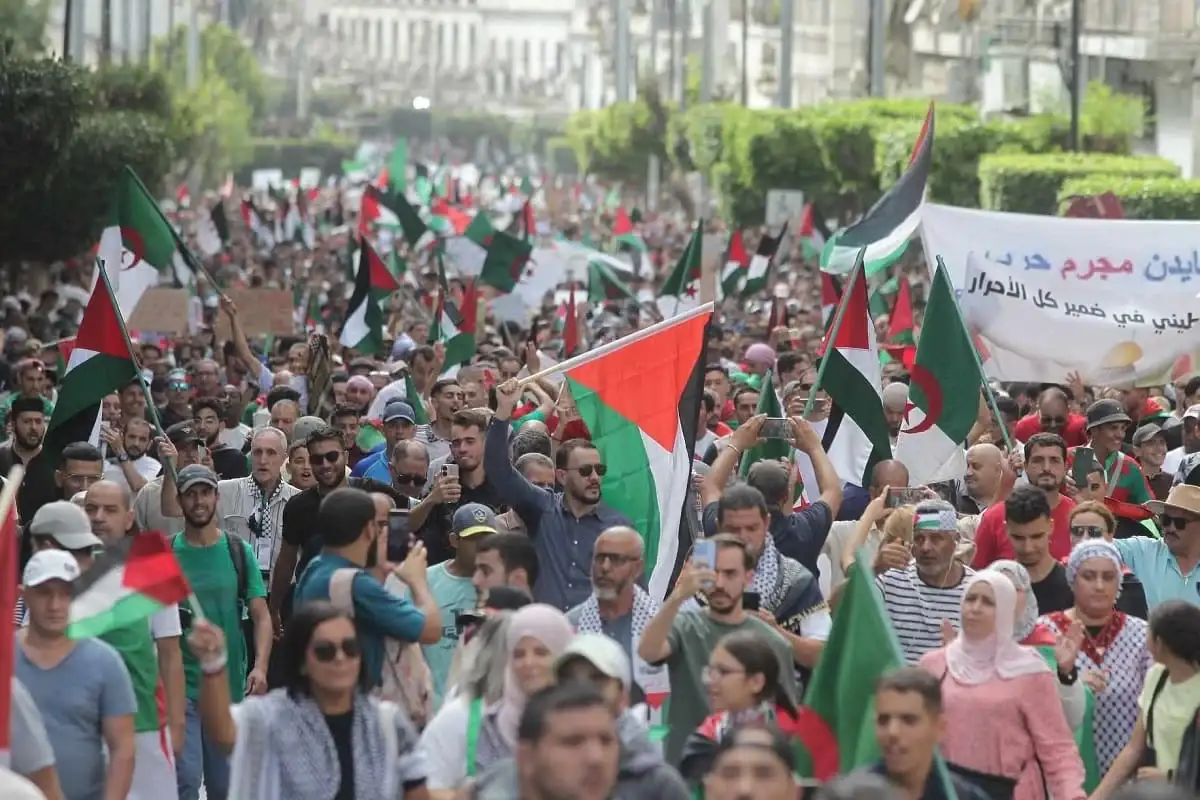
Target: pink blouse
(997, 727)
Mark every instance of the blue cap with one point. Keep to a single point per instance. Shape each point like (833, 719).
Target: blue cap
(472, 519)
(398, 410)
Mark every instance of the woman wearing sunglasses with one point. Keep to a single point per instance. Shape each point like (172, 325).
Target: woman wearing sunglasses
(1094, 521)
(318, 736)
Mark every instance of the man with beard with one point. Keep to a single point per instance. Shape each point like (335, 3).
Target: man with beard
(1046, 468)
(399, 425)
(618, 607)
(1053, 415)
(683, 641)
(184, 447)
(302, 534)
(228, 463)
(28, 418)
(130, 465)
(564, 525)
(209, 558)
(446, 397)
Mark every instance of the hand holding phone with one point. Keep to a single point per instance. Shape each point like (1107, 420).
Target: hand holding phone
(905, 496)
(399, 531)
(1084, 464)
(775, 428)
(704, 555)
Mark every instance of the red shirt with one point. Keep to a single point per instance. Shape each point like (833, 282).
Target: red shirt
(991, 535)
(1075, 431)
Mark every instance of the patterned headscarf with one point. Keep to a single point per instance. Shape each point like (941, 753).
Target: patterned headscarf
(1091, 548)
(1024, 624)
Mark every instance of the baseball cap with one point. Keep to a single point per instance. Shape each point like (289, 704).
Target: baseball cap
(195, 474)
(472, 519)
(182, 433)
(1145, 433)
(50, 565)
(601, 652)
(65, 523)
(305, 426)
(398, 410)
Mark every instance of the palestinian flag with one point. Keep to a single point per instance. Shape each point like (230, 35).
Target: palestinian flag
(64, 347)
(684, 281)
(885, 230)
(836, 725)
(812, 232)
(379, 204)
(901, 324)
(138, 244)
(135, 577)
(856, 435)
(363, 329)
(627, 238)
(100, 363)
(604, 284)
(767, 449)
(831, 296)
(760, 265)
(505, 256)
(453, 327)
(944, 393)
(252, 218)
(640, 398)
(736, 264)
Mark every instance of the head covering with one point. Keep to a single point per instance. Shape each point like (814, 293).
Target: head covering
(997, 656)
(1105, 411)
(1183, 497)
(550, 627)
(1028, 621)
(1091, 548)
(1145, 433)
(936, 516)
(759, 353)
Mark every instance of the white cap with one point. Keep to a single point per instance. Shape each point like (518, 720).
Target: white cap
(50, 565)
(602, 653)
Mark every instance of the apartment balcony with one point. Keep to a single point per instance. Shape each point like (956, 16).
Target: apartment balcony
(1141, 30)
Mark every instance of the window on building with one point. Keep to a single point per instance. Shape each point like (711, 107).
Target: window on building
(395, 40)
(471, 39)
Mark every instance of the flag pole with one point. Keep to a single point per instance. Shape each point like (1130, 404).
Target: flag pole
(987, 386)
(605, 349)
(170, 466)
(8, 496)
(834, 328)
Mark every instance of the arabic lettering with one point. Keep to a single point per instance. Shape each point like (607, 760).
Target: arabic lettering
(1036, 261)
(1045, 299)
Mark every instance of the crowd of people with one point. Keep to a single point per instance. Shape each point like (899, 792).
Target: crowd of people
(421, 588)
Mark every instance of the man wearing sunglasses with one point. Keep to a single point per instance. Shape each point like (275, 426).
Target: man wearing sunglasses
(1167, 567)
(179, 399)
(409, 468)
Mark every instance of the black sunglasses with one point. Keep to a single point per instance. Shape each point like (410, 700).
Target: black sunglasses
(327, 651)
(331, 457)
(587, 469)
(1172, 521)
(409, 480)
(1087, 531)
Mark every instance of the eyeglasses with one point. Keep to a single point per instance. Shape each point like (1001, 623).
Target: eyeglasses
(1172, 521)
(409, 480)
(587, 469)
(712, 672)
(332, 457)
(617, 559)
(326, 652)
(1087, 531)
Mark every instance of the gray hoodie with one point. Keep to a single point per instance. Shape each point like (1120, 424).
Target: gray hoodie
(642, 774)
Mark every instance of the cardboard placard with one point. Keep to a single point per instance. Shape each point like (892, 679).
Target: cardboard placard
(161, 310)
(262, 311)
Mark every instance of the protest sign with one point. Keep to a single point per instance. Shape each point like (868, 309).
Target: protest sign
(262, 312)
(1130, 255)
(1034, 327)
(162, 310)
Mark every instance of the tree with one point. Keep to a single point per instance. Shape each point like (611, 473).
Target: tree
(213, 128)
(223, 54)
(23, 25)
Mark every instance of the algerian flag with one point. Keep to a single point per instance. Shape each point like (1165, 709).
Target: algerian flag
(640, 399)
(856, 435)
(134, 578)
(944, 393)
(363, 330)
(885, 230)
(138, 244)
(683, 284)
(604, 284)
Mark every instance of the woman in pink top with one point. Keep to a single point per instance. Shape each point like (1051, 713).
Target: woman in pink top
(1005, 729)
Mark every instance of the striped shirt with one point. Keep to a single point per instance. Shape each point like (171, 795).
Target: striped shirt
(436, 446)
(917, 609)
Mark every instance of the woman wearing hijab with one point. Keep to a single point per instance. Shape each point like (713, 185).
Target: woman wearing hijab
(1113, 658)
(469, 732)
(986, 675)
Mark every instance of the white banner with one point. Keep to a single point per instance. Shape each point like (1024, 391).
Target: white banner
(1139, 256)
(1034, 327)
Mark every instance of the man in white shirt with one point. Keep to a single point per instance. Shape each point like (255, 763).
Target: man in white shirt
(130, 465)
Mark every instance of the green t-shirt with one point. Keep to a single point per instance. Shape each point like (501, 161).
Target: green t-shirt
(453, 594)
(135, 644)
(694, 635)
(213, 578)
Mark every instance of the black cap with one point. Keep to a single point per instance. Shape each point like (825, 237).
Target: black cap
(184, 433)
(1103, 412)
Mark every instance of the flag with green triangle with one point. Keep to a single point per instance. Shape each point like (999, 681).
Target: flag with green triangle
(626, 235)
(398, 168)
(767, 449)
(453, 327)
(943, 398)
(416, 232)
(363, 329)
(604, 284)
(506, 255)
(684, 281)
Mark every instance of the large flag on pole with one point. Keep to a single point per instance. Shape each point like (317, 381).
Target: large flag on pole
(640, 398)
(9, 567)
(885, 230)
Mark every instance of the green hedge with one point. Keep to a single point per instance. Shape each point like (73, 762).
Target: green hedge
(1030, 184)
(1142, 198)
(293, 155)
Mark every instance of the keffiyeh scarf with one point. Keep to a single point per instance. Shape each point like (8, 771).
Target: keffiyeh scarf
(292, 735)
(649, 678)
(767, 574)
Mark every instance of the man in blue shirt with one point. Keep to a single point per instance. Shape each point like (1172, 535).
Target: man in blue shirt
(352, 540)
(398, 424)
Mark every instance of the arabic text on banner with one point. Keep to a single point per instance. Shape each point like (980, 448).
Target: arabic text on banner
(1034, 327)
(1131, 255)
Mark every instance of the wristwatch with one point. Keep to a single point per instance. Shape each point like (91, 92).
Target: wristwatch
(1068, 678)
(122, 457)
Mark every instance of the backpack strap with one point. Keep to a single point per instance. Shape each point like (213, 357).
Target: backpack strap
(341, 589)
(237, 554)
(1158, 687)
(474, 725)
